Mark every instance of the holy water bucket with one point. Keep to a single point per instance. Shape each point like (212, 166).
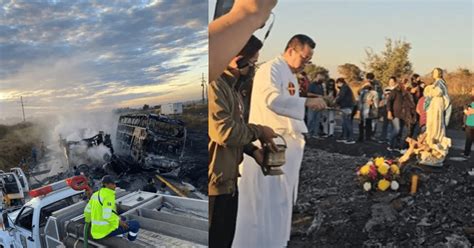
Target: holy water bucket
(272, 161)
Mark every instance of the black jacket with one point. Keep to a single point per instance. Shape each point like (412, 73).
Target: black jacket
(400, 103)
(345, 98)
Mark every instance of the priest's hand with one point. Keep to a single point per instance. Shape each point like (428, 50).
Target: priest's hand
(266, 138)
(315, 103)
(258, 156)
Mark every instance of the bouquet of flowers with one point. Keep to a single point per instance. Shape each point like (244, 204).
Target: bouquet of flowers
(380, 174)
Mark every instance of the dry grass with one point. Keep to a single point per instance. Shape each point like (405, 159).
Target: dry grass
(16, 142)
(195, 116)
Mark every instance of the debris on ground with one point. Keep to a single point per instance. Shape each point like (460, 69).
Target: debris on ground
(332, 205)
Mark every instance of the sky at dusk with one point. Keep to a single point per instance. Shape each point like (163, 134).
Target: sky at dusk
(99, 55)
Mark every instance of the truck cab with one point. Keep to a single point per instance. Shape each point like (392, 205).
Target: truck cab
(25, 227)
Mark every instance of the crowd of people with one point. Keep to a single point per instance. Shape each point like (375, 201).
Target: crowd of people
(389, 109)
(248, 108)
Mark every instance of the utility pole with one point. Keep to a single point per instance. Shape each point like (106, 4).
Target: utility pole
(22, 108)
(203, 85)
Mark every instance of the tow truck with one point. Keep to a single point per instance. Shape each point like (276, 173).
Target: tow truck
(54, 218)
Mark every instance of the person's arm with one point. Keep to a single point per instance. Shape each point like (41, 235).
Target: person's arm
(418, 92)
(223, 128)
(469, 111)
(419, 106)
(373, 98)
(249, 149)
(390, 101)
(342, 94)
(229, 33)
(87, 212)
(108, 209)
(313, 94)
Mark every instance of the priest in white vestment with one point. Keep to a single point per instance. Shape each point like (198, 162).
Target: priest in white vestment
(266, 202)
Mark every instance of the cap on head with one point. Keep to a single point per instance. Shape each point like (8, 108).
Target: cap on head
(107, 179)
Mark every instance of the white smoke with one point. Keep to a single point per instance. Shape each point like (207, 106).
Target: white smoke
(95, 155)
(74, 127)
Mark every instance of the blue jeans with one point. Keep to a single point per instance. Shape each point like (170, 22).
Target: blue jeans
(347, 131)
(396, 137)
(132, 230)
(314, 118)
(386, 129)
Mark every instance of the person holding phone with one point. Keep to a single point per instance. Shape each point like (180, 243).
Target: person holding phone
(230, 137)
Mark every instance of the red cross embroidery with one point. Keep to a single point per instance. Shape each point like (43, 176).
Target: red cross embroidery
(291, 88)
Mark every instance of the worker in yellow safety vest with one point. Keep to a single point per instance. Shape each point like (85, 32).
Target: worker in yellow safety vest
(101, 213)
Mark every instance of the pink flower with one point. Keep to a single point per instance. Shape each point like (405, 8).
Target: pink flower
(373, 172)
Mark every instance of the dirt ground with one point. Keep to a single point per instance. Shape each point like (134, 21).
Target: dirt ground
(195, 161)
(332, 210)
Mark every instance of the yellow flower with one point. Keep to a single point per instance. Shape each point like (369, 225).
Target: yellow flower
(383, 184)
(364, 170)
(379, 161)
(395, 170)
(383, 169)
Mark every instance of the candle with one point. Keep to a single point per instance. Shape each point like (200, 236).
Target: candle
(414, 184)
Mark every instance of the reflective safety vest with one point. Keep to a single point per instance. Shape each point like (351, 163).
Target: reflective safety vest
(101, 213)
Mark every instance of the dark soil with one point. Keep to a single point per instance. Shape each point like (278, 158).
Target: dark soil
(332, 210)
(196, 159)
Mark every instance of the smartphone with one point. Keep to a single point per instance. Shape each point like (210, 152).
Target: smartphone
(242, 63)
(223, 7)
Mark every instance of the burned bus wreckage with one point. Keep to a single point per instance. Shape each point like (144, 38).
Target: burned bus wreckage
(142, 142)
(151, 141)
